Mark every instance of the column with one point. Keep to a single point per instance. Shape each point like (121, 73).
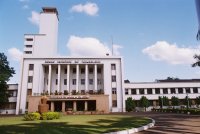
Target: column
(176, 90)
(161, 91)
(49, 79)
(145, 91)
(52, 106)
(198, 90)
(184, 91)
(59, 87)
(137, 91)
(68, 81)
(86, 105)
(86, 78)
(74, 105)
(153, 91)
(169, 91)
(63, 106)
(77, 77)
(95, 77)
(191, 90)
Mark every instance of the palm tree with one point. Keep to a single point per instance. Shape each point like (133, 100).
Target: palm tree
(197, 63)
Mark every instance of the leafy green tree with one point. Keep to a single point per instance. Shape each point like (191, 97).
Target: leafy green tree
(130, 104)
(197, 100)
(144, 102)
(197, 63)
(5, 73)
(163, 101)
(187, 102)
(175, 101)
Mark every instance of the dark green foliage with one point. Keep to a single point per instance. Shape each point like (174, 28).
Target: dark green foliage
(144, 102)
(197, 63)
(130, 104)
(32, 116)
(50, 115)
(197, 100)
(5, 73)
(187, 102)
(163, 101)
(175, 101)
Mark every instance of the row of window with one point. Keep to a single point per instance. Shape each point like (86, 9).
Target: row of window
(9, 105)
(99, 82)
(165, 90)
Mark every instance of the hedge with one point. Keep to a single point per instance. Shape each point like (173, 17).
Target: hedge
(185, 111)
(32, 116)
(50, 115)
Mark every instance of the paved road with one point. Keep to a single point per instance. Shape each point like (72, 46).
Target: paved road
(168, 123)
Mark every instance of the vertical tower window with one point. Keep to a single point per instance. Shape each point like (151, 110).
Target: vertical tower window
(82, 81)
(65, 70)
(65, 81)
(30, 79)
(74, 70)
(74, 81)
(56, 70)
(91, 81)
(113, 67)
(56, 81)
(31, 66)
(113, 78)
(114, 91)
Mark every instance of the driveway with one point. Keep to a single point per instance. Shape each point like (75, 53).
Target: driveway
(168, 123)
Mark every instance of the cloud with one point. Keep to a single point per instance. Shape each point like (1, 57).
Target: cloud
(25, 7)
(116, 49)
(86, 46)
(89, 8)
(15, 54)
(35, 18)
(23, 0)
(170, 53)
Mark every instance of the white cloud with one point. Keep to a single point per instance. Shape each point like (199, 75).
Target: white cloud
(35, 18)
(25, 7)
(24, 0)
(15, 54)
(171, 53)
(86, 46)
(88, 8)
(116, 49)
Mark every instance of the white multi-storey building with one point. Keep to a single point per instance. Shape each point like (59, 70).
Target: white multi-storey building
(80, 83)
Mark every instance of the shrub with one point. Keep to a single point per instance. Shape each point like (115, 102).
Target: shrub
(32, 116)
(50, 115)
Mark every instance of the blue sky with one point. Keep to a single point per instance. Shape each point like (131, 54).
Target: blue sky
(157, 38)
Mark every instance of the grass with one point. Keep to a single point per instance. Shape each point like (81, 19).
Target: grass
(71, 124)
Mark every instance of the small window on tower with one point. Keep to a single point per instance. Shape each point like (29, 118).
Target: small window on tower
(65, 81)
(74, 70)
(29, 39)
(65, 70)
(30, 79)
(31, 66)
(113, 67)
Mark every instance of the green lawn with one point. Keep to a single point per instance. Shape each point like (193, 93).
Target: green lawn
(71, 124)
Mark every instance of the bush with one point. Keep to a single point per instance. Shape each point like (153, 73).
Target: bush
(32, 116)
(50, 115)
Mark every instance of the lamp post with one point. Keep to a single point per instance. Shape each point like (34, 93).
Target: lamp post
(187, 101)
(162, 101)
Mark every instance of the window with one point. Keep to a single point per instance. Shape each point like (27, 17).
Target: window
(114, 91)
(187, 90)
(30, 79)
(114, 103)
(65, 70)
(90, 70)
(82, 81)
(173, 91)
(113, 67)
(29, 92)
(113, 78)
(157, 90)
(9, 105)
(29, 39)
(56, 70)
(98, 70)
(180, 90)
(46, 69)
(133, 91)
(56, 81)
(47, 81)
(74, 70)
(65, 81)
(12, 93)
(73, 81)
(82, 70)
(141, 91)
(98, 81)
(31, 66)
(126, 91)
(29, 46)
(91, 81)
(28, 52)
(195, 90)
(149, 91)
(165, 91)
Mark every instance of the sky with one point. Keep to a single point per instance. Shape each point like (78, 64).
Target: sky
(156, 38)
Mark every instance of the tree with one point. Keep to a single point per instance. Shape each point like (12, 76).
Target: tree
(130, 104)
(5, 73)
(175, 101)
(163, 101)
(197, 63)
(197, 101)
(187, 102)
(144, 102)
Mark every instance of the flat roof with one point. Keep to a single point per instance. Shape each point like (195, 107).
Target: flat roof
(49, 10)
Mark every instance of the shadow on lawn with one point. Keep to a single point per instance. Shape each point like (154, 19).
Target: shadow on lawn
(99, 126)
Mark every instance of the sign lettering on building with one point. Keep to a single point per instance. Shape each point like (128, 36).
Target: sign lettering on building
(68, 97)
(72, 61)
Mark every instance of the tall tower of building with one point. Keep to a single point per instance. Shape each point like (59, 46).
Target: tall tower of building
(43, 44)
